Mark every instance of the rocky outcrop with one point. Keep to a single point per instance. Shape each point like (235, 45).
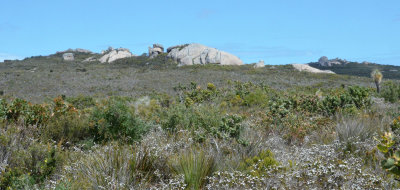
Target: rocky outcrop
(90, 59)
(260, 64)
(193, 54)
(308, 68)
(324, 61)
(68, 57)
(77, 50)
(156, 50)
(112, 54)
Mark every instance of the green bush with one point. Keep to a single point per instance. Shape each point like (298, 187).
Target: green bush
(256, 98)
(355, 96)
(81, 102)
(30, 166)
(115, 121)
(390, 91)
(391, 163)
(258, 165)
(108, 166)
(202, 121)
(195, 94)
(195, 166)
(68, 128)
(279, 107)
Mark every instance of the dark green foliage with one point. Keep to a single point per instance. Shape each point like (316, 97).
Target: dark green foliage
(31, 166)
(195, 94)
(114, 121)
(279, 106)
(202, 121)
(354, 96)
(3, 109)
(32, 114)
(259, 164)
(362, 70)
(195, 167)
(81, 102)
(68, 128)
(391, 163)
(256, 98)
(390, 91)
(17, 108)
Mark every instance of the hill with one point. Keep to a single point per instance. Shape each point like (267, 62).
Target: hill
(144, 122)
(364, 69)
(40, 77)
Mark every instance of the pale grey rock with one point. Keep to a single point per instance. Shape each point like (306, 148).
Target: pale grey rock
(112, 54)
(155, 50)
(193, 54)
(159, 46)
(260, 64)
(77, 50)
(307, 68)
(68, 57)
(90, 59)
(324, 61)
(177, 46)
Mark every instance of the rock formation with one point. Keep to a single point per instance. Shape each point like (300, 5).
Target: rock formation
(156, 50)
(77, 50)
(112, 54)
(90, 59)
(260, 64)
(192, 54)
(307, 68)
(68, 57)
(324, 61)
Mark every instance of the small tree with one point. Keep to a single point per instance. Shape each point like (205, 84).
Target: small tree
(377, 77)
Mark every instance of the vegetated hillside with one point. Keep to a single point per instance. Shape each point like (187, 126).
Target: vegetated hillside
(141, 123)
(43, 77)
(363, 70)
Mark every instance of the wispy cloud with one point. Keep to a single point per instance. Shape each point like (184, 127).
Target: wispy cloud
(4, 56)
(6, 26)
(397, 18)
(205, 13)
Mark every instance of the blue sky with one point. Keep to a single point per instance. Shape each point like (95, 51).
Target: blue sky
(279, 32)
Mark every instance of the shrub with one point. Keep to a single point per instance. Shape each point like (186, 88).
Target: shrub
(259, 164)
(256, 98)
(295, 127)
(81, 102)
(37, 114)
(355, 96)
(68, 129)
(198, 95)
(349, 128)
(114, 120)
(391, 163)
(30, 166)
(202, 121)
(395, 126)
(390, 91)
(108, 167)
(16, 109)
(3, 109)
(195, 166)
(279, 107)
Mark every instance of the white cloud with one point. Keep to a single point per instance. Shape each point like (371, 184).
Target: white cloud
(4, 56)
